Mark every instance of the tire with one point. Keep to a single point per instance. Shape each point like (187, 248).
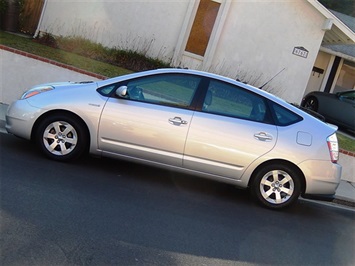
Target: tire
(311, 103)
(276, 186)
(62, 137)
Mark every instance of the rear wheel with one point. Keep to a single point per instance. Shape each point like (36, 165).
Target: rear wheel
(276, 186)
(61, 137)
(311, 103)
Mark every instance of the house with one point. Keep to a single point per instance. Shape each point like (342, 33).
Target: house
(334, 69)
(295, 46)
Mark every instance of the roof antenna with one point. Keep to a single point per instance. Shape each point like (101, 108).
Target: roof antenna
(262, 86)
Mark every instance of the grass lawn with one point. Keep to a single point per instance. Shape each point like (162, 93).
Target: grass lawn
(29, 45)
(345, 142)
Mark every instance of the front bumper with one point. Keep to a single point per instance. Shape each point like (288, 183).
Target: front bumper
(20, 118)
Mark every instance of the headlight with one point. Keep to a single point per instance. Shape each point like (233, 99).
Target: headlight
(35, 91)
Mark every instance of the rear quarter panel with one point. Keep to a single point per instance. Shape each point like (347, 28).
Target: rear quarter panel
(291, 148)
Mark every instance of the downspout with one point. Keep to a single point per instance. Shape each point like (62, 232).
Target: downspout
(40, 19)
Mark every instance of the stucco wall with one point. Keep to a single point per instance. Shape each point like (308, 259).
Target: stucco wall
(260, 41)
(147, 26)
(317, 81)
(256, 41)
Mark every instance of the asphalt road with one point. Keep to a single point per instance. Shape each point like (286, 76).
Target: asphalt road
(106, 212)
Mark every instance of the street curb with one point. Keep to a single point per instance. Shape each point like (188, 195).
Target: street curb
(348, 153)
(3, 108)
(344, 201)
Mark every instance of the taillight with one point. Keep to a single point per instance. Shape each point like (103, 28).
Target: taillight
(333, 147)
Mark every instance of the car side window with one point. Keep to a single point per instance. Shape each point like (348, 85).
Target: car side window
(284, 117)
(166, 89)
(106, 90)
(230, 100)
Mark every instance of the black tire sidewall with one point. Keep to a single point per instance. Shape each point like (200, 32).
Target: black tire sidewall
(315, 103)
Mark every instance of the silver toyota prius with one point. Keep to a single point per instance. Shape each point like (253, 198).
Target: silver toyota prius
(189, 121)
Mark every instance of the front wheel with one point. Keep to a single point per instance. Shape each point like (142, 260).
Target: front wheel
(61, 137)
(276, 186)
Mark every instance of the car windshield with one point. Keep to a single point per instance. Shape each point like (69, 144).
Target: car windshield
(349, 95)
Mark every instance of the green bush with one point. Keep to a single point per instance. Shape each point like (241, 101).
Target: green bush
(3, 6)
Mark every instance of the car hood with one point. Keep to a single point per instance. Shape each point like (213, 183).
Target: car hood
(69, 94)
(65, 84)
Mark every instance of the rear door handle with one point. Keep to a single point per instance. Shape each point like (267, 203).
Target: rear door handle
(263, 136)
(177, 121)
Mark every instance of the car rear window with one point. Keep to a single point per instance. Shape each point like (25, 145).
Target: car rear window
(283, 116)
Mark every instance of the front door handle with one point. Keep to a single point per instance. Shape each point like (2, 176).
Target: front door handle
(263, 136)
(177, 121)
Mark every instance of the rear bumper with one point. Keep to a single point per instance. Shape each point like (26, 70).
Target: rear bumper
(322, 178)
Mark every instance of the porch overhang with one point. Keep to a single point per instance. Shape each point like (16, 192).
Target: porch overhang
(336, 32)
(337, 36)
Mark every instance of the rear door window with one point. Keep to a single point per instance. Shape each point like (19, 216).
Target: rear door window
(230, 100)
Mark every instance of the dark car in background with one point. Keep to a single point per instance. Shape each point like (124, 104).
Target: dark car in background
(337, 108)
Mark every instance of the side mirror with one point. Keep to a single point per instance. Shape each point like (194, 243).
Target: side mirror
(121, 91)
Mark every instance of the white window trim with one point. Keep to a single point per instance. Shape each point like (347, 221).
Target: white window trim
(337, 74)
(186, 29)
(216, 33)
(194, 56)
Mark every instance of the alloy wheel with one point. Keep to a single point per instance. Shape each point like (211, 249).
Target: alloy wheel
(60, 138)
(277, 187)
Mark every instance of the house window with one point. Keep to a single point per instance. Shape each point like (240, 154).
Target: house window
(202, 27)
(346, 79)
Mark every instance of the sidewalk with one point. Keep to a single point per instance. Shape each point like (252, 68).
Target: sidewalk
(345, 193)
(3, 108)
